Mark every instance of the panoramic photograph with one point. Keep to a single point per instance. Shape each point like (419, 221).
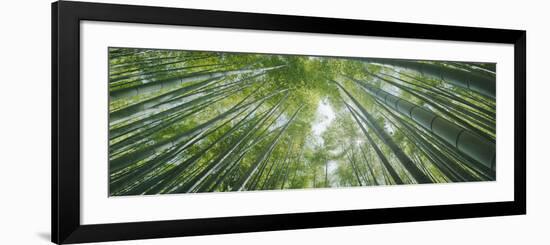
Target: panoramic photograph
(183, 121)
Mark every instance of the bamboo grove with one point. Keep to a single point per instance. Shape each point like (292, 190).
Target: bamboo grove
(197, 121)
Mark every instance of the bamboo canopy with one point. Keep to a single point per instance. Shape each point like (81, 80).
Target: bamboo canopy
(203, 121)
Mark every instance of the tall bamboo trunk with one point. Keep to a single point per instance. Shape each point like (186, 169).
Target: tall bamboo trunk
(481, 84)
(411, 167)
(148, 87)
(465, 141)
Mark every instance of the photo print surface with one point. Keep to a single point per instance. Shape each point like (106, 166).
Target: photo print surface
(202, 121)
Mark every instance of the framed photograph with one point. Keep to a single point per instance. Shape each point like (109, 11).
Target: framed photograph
(175, 122)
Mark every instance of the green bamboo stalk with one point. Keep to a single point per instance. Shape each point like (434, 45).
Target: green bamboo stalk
(467, 80)
(265, 154)
(416, 173)
(379, 153)
(465, 141)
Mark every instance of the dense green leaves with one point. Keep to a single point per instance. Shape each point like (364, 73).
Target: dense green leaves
(197, 121)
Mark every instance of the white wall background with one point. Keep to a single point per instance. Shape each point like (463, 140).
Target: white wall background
(25, 124)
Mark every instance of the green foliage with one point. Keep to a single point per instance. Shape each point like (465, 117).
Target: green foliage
(199, 121)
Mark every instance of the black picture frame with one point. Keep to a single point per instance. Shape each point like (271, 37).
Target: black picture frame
(66, 17)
